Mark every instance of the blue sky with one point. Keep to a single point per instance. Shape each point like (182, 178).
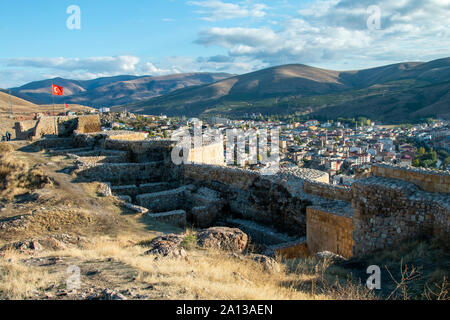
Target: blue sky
(157, 37)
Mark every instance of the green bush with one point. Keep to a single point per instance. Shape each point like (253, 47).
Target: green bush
(189, 242)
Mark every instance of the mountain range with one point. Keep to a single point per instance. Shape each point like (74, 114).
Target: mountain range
(399, 92)
(110, 91)
(394, 93)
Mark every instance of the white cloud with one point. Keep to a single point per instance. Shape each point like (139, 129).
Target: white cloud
(296, 40)
(229, 37)
(17, 71)
(214, 10)
(112, 65)
(149, 68)
(334, 32)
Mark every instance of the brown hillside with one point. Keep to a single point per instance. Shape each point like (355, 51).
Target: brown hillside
(399, 92)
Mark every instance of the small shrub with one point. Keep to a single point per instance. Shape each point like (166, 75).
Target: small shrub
(189, 242)
(6, 148)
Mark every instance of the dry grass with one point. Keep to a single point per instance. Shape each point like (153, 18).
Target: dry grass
(323, 277)
(412, 270)
(207, 274)
(210, 274)
(5, 148)
(204, 275)
(19, 281)
(17, 178)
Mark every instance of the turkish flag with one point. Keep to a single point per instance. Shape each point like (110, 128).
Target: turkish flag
(65, 104)
(57, 90)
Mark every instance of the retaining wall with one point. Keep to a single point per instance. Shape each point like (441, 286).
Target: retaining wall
(164, 200)
(252, 196)
(124, 173)
(88, 124)
(176, 218)
(328, 191)
(427, 180)
(387, 212)
(328, 231)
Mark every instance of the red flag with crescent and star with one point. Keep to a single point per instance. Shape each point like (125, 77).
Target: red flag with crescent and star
(57, 90)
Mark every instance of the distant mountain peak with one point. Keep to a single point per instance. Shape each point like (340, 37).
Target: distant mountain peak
(104, 91)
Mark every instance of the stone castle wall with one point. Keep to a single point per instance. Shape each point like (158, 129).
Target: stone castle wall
(25, 129)
(88, 124)
(328, 191)
(124, 173)
(46, 126)
(168, 200)
(61, 126)
(427, 180)
(252, 196)
(129, 136)
(387, 212)
(329, 231)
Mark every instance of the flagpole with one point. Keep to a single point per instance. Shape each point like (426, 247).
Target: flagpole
(54, 115)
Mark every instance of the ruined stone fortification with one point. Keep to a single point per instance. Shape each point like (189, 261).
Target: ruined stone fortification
(87, 124)
(56, 126)
(270, 200)
(293, 212)
(328, 191)
(388, 211)
(426, 179)
(25, 129)
(330, 228)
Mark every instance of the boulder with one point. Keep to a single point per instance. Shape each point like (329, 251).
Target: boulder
(107, 294)
(223, 238)
(104, 190)
(330, 256)
(268, 263)
(167, 246)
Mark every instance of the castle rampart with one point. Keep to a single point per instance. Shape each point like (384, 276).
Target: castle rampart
(56, 126)
(426, 179)
(328, 191)
(393, 205)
